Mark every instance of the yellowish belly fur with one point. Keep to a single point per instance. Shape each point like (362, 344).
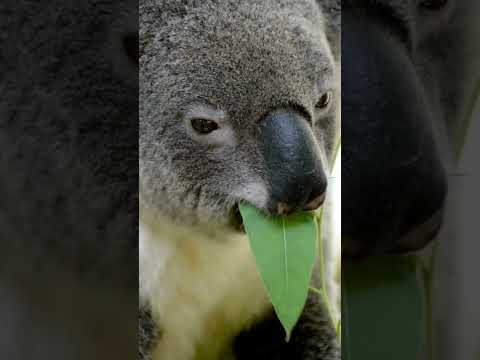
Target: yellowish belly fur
(201, 290)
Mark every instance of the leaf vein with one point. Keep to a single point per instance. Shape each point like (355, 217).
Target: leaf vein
(285, 251)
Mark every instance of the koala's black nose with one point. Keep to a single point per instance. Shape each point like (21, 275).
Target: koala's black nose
(293, 163)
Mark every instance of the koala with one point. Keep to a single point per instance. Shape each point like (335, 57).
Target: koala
(400, 98)
(408, 74)
(238, 102)
(69, 179)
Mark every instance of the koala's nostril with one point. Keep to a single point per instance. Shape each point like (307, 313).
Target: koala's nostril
(130, 45)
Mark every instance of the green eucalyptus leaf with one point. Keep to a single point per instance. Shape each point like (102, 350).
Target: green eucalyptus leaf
(284, 249)
(381, 304)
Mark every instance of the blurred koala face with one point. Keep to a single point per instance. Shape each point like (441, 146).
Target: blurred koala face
(237, 103)
(403, 75)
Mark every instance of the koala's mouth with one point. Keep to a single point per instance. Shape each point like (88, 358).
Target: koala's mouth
(422, 234)
(236, 220)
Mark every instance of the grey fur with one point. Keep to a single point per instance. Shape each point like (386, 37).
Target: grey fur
(68, 180)
(148, 332)
(239, 60)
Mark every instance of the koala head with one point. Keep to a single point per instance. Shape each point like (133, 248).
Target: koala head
(238, 102)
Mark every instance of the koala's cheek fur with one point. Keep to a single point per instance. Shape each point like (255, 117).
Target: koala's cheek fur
(255, 193)
(207, 202)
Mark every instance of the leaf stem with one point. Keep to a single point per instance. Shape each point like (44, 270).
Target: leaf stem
(323, 292)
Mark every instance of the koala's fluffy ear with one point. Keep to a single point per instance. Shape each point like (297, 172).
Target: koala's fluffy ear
(332, 14)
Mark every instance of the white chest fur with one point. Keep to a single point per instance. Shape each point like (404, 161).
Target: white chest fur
(202, 291)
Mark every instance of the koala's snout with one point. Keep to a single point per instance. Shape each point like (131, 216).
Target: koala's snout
(396, 183)
(294, 167)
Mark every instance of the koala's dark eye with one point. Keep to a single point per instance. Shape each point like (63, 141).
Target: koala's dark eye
(433, 4)
(324, 100)
(204, 126)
